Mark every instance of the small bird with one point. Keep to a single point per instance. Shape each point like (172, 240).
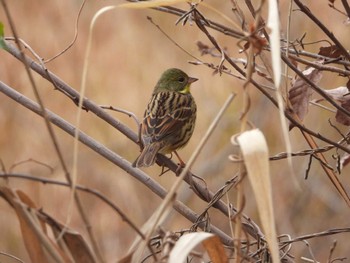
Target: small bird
(169, 118)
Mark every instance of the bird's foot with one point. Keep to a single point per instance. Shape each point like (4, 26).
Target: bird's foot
(179, 168)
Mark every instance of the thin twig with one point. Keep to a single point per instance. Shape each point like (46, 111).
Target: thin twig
(308, 12)
(330, 232)
(319, 66)
(129, 113)
(11, 256)
(31, 161)
(284, 155)
(74, 38)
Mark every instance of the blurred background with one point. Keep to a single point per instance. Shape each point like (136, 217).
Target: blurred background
(128, 56)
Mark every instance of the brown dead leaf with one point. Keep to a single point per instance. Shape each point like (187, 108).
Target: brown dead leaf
(34, 223)
(69, 240)
(300, 93)
(29, 202)
(215, 250)
(30, 238)
(342, 117)
(330, 51)
(255, 41)
(78, 247)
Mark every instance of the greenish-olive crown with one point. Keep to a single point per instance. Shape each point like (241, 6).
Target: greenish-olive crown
(172, 79)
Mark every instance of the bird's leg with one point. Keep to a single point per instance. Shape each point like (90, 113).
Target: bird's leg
(181, 164)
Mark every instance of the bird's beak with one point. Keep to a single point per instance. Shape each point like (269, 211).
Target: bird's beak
(191, 80)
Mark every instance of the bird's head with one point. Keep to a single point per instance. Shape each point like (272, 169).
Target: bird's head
(174, 80)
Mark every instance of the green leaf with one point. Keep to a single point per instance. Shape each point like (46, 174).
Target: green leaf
(2, 39)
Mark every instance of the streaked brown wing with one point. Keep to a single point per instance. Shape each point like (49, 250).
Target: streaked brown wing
(166, 114)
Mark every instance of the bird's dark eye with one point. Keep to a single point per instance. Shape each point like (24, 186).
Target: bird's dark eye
(181, 79)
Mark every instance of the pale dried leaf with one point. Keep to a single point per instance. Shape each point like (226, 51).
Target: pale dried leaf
(344, 160)
(300, 93)
(256, 159)
(138, 246)
(342, 95)
(339, 94)
(185, 244)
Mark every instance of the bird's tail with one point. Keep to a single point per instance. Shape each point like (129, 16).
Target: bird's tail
(147, 156)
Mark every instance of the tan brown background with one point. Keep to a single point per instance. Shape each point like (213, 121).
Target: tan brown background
(128, 56)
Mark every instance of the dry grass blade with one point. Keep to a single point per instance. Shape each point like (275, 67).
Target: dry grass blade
(256, 159)
(273, 24)
(150, 4)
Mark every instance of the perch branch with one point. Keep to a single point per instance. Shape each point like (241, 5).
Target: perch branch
(251, 227)
(109, 155)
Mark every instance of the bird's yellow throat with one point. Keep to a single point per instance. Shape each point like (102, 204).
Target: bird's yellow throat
(186, 89)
